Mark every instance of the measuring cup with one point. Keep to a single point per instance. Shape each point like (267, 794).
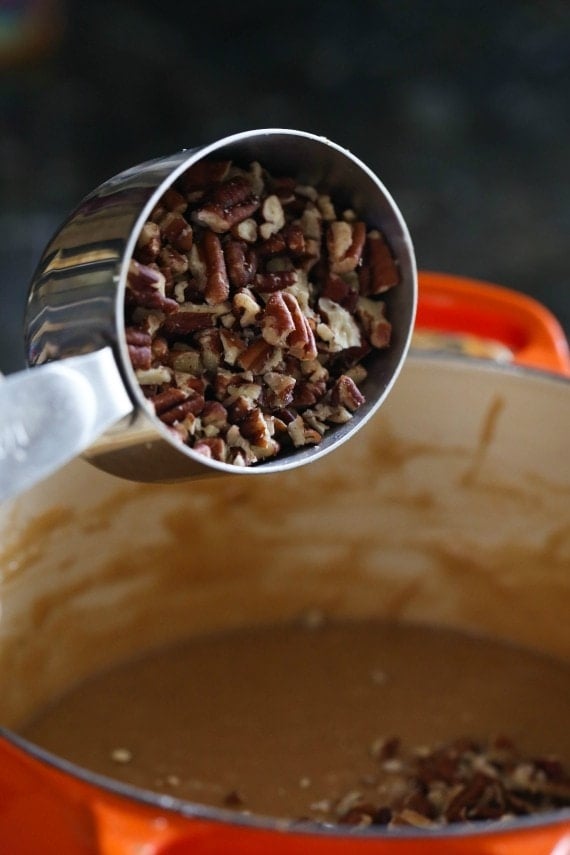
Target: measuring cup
(83, 397)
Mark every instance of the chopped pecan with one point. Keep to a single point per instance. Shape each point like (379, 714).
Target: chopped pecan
(245, 230)
(202, 175)
(175, 262)
(154, 376)
(280, 388)
(346, 393)
(233, 346)
(176, 230)
(226, 205)
(236, 269)
(174, 201)
(307, 393)
(217, 288)
(212, 447)
(326, 207)
(139, 344)
(463, 781)
(295, 240)
(272, 213)
(188, 321)
(246, 307)
(145, 287)
(301, 434)
(211, 349)
(214, 415)
(345, 243)
(340, 291)
(301, 342)
(193, 406)
(380, 273)
(148, 243)
(343, 332)
(257, 357)
(160, 350)
(372, 314)
(166, 400)
(273, 245)
(240, 263)
(278, 322)
(254, 427)
(277, 281)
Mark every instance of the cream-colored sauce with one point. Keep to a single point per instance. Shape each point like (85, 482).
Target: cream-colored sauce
(286, 715)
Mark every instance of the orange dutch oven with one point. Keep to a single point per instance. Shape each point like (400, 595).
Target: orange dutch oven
(94, 569)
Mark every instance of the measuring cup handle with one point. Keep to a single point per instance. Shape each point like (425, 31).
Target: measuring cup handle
(51, 413)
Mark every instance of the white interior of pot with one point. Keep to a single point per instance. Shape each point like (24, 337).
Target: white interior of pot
(451, 506)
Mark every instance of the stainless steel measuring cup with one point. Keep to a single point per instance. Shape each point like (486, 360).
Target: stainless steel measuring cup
(82, 396)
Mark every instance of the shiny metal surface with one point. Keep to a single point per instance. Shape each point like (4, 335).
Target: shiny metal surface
(75, 303)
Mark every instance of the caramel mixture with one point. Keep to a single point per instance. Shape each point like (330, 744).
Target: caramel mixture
(291, 720)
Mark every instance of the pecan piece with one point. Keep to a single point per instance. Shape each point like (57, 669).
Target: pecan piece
(212, 447)
(340, 291)
(255, 428)
(148, 243)
(203, 174)
(278, 323)
(280, 389)
(246, 307)
(346, 393)
(173, 261)
(227, 204)
(160, 350)
(145, 287)
(257, 357)
(139, 345)
(245, 230)
(267, 282)
(217, 288)
(168, 399)
(233, 346)
(380, 271)
(185, 322)
(344, 332)
(345, 242)
(272, 213)
(174, 201)
(176, 230)
(240, 263)
(193, 406)
(214, 415)
(211, 349)
(301, 434)
(372, 314)
(301, 342)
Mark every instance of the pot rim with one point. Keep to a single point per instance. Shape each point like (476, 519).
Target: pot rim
(224, 816)
(486, 365)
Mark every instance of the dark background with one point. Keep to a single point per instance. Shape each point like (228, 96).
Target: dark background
(462, 109)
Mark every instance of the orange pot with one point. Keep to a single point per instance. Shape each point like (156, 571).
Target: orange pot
(93, 569)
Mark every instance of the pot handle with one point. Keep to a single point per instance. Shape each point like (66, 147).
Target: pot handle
(516, 324)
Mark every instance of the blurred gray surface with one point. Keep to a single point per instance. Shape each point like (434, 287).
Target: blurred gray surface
(461, 108)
